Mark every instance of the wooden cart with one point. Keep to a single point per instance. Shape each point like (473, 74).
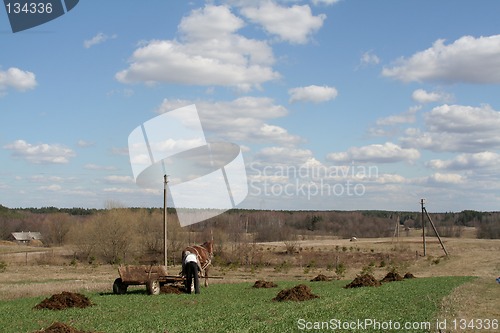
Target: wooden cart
(152, 276)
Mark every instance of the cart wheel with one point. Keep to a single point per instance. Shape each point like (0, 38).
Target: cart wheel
(153, 287)
(119, 287)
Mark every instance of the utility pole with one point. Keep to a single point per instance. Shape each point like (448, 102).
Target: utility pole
(424, 211)
(435, 230)
(423, 224)
(165, 245)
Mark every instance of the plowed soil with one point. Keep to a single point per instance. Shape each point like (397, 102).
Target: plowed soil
(392, 276)
(264, 284)
(172, 289)
(366, 280)
(60, 328)
(297, 293)
(63, 301)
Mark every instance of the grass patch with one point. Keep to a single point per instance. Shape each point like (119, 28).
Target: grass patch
(238, 308)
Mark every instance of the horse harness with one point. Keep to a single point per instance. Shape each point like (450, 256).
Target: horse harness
(198, 256)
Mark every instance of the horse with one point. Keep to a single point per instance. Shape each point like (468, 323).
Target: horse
(204, 253)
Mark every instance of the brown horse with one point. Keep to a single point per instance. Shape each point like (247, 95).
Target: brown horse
(204, 253)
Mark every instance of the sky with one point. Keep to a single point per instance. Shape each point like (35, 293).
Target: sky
(335, 104)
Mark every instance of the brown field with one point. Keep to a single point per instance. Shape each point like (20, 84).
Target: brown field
(35, 271)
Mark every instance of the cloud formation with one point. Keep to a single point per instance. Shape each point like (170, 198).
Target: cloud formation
(402, 118)
(457, 128)
(283, 155)
(325, 2)
(313, 93)
(17, 79)
(41, 153)
(293, 24)
(210, 52)
(421, 96)
(97, 39)
(468, 59)
(376, 153)
(369, 58)
(482, 160)
(242, 120)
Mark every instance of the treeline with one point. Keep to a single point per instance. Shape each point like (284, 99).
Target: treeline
(50, 210)
(142, 226)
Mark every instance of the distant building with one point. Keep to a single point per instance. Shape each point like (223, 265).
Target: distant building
(24, 237)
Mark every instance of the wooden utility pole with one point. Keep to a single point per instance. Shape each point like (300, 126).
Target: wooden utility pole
(165, 245)
(423, 225)
(435, 230)
(396, 230)
(424, 211)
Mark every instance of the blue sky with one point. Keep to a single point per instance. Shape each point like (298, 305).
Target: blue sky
(335, 104)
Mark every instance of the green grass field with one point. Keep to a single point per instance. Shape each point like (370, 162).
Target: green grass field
(240, 308)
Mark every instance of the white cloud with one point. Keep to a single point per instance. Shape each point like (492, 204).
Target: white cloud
(315, 94)
(210, 22)
(92, 166)
(390, 179)
(325, 2)
(457, 128)
(97, 39)
(242, 120)
(121, 190)
(283, 155)
(53, 179)
(210, 53)
(293, 24)
(369, 58)
(445, 178)
(272, 133)
(422, 96)
(482, 160)
(40, 153)
(468, 59)
(84, 144)
(376, 153)
(51, 188)
(119, 179)
(17, 79)
(135, 190)
(403, 118)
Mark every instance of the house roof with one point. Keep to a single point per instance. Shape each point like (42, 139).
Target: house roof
(26, 236)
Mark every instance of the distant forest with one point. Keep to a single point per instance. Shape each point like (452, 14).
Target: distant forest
(117, 235)
(345, 224)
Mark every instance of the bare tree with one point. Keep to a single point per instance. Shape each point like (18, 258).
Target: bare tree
(55, 228)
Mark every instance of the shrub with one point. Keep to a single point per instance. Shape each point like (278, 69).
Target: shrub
(340, 270)
(283, 267)
(3, 266)
(368, 269)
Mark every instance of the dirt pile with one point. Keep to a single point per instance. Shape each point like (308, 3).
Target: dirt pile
(264, 284)
(392, 276)
(60, 328)
(408, 275)
(321, 277)
(297, 293)
(366, 280)
(172, 289)
(63, 301)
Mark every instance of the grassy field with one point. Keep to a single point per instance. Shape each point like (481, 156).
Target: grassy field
(239, 308)
(442, 290)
